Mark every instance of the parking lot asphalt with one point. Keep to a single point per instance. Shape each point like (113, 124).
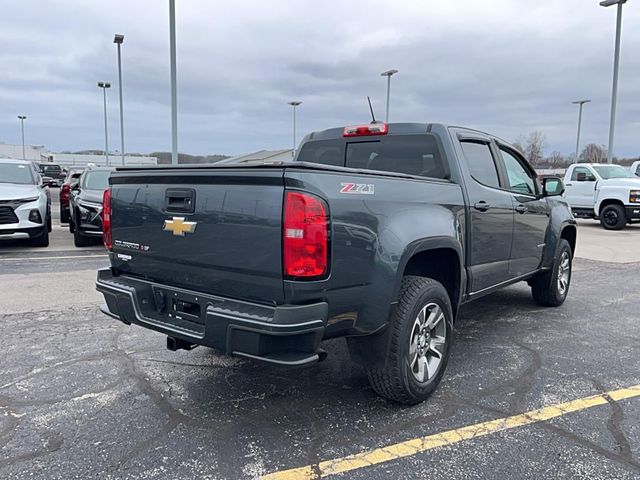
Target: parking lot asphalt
(83, 396)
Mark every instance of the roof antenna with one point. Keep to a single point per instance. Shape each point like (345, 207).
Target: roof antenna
(373, 117)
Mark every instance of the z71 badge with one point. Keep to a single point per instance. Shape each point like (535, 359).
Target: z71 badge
(357, 188)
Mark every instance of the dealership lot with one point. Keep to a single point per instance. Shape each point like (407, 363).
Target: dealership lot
(83, 396)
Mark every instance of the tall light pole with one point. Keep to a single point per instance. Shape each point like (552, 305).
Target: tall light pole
(581, 103)
(118, 40)
(388, 74)
(616, 64)
(22, 119)
(174, 98)
(294, 104)
(104, 86)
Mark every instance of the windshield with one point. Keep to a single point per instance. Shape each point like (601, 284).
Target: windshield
(98, 180)
(612, 171)
(16, 173)
(50, 169)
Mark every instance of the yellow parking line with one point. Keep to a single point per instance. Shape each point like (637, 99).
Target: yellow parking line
(450, 437)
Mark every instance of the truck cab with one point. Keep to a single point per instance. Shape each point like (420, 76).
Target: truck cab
(606, 192)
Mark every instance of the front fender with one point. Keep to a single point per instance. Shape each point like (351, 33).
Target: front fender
(560, 217)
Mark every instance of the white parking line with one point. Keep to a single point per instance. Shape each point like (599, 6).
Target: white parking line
(52, 258)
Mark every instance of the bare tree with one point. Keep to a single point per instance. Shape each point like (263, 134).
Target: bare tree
(593, 153)
(532, 146)
(556, 160)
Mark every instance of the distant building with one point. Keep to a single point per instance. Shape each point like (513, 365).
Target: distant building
(74, 159)
(259, 157)
(39, 154)
(35, 153)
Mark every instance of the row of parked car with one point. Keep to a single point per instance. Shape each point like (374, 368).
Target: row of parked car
(25, 201)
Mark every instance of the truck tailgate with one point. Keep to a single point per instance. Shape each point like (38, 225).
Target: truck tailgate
(212, 230)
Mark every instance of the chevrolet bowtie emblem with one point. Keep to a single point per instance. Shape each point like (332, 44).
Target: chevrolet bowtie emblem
(179, 227)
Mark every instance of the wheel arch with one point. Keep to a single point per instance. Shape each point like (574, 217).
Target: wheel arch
(609, 201)
(439, 258)
(570, 234)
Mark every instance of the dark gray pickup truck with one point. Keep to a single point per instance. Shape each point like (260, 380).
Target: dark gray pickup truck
(377, 233)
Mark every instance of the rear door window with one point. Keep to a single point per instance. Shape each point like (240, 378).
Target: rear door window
(480, 162)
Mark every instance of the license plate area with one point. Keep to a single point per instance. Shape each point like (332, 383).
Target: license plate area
(180, 309)
(184, 307)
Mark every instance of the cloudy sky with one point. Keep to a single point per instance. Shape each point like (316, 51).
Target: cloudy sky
(505, 66)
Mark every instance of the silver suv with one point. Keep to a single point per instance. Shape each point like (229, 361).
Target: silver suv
(25, 204)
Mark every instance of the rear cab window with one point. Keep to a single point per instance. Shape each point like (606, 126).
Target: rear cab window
(417, 155)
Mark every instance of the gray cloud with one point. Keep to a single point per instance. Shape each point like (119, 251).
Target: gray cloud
(507, 67)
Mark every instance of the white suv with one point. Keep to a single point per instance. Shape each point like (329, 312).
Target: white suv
(608, 192)
(25, 205)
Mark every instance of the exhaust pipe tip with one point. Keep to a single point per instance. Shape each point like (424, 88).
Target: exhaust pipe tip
(322, 355)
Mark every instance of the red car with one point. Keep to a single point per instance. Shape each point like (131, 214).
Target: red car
(73, 175)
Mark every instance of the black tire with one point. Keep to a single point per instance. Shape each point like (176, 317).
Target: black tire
(546, 287)
(64, 216)
(80, 240)
(72, 226)
(396, 380)
(41, 240)
(49, 226)
(613, 217)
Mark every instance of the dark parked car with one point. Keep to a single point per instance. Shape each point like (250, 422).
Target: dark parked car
(72, 178)
(85, 205)
(377, 233)
(52, 171)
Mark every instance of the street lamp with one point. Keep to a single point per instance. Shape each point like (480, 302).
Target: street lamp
(174, 99)
(22, 119)
(294, 104)
(616, 63)
(104, 86)
(388, 74)
(581, 103)
(118, 40)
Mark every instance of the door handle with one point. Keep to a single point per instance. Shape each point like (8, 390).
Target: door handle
(568, 184)
(521, 209)
(482, 206)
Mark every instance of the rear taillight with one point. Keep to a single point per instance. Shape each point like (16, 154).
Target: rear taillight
(65, 190)
(106, 219)
(366, 130)
(305, 236)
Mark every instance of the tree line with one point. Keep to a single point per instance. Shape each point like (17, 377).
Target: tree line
(533, 147)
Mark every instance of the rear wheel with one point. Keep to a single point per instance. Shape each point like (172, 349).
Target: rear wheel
(80, 240)
(613, 217)
(550, 288)
(421, 331)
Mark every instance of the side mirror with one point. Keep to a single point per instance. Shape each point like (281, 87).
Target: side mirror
(75, 187)
(582, 177)
(552, 187)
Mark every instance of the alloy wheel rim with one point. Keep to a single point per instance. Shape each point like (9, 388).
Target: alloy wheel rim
(611, 217)
(427, 343)
(564, 273)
